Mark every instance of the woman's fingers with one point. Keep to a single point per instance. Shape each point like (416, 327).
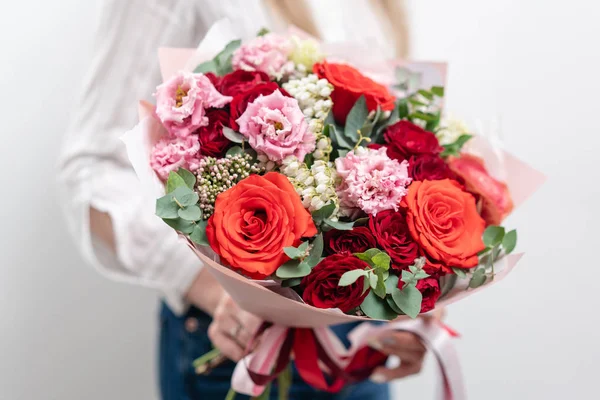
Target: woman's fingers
(229, 347)
(383, 374)
(398, 341)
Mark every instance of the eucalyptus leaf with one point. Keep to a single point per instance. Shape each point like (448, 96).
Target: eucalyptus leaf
(314, 257)
(510, 241)
(356, 119)
(324, 212)
(190, 213)
(291, 282)
(349, 277)
(478, 278)
(198, 235)
(408, 300)
(420, 274)
(382, 260)
(234, 151)
(166, 208)
(181, 225)
(337, 138)
(391, 283)
(188, 177)
(174, 181)
(372, 252)
(493, 235)
(185, 196)
(390, 302)
(373, 279)
(232, 135)
(293, 252)
(377, 308)
(340, 225)
(380, 289)
(460, 272)
(207, 66)
(293, 269)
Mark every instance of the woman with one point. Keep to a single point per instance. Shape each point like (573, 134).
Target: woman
(114, 223)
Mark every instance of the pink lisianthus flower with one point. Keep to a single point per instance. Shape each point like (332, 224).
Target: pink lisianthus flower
(172, 153)
(371, 181)
(181, 102)
(275, 126)
(268, 53)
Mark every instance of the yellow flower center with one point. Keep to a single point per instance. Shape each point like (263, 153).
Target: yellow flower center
(179, 95)
(278, 125)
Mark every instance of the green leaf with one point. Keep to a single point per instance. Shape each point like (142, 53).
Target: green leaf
(373, 279)
(188, 177)
(232, 135)
(447, 284)
(422, 116)
(338, 139)
(349, 277)
(380, 289)
(408, 300)
(166, 208)
(393, 305)
(356, 119)
(478, 278)
(438, 91)
(293, 269)
(391, 283)
(381, 260)
(314, 257)
(207, 66)
(493, 235)
(459, 272)
(263, 31)
(293, 252)
(190, 213)
(377, 308)
(510, 241)
(324, 212)
(223, 59)
(198, 235)
(291, 282)
(174, 181)
(403, 109)
(453, 149)
(339, 225)
(432, 125)
(185, 196)
(425, 93)
(234, 151)
(420, 274)
(180, 225)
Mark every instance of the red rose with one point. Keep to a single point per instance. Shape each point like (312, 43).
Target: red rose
(321, 288)
(392, 235)
(405, 139)
(212, 141)
(240, 102)
(349, 84)
(357, 240)
(239, 81)
(430, 290)
(428, 166)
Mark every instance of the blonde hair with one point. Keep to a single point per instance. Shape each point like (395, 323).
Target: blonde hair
(392, 13)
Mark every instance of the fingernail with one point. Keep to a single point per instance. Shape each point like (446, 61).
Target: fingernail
(388, 341)
(375, 344)
(378, 378)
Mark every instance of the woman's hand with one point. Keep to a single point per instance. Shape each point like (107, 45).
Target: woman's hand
(407, 347)
(232, 328)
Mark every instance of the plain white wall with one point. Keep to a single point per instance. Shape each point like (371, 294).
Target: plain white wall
(68, 334)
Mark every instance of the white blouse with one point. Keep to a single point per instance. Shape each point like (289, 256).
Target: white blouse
(94, 168)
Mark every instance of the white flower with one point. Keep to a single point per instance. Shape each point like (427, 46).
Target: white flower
(451, 128)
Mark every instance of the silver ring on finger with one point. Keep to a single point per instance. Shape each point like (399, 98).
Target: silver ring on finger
(235, 331)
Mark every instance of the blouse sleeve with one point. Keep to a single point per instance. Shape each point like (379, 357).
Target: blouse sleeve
(94, 170)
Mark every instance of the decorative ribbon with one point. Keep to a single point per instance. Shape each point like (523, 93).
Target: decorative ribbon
(326, 364)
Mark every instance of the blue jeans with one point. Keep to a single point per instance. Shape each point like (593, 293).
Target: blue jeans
(180, 346)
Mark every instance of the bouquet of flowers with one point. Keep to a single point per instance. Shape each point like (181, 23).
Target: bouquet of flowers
(320, 193)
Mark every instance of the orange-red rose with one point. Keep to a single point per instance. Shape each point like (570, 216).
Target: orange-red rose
(254, 220)
(349, 84)
(443, 219)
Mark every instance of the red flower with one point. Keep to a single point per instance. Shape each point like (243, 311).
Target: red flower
(405, 139)
(212, 141)
(392, 235)
(430, 290)
(357, 240)
(349, 84)
(240, 101)
(239, 81)
(321, 288)
(428, 166)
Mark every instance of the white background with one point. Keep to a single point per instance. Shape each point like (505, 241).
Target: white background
(68, 334)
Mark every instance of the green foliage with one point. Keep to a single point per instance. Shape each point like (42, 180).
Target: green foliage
(339, 225)
(356, 119)
(190, 213)
(338, 140)
(221, 64)
(174, 181)
(232, 135)
(460, 272)
(314, 256)
(478, 278)
(408, 300)
(181, 225)
(453, 149)
(493, 235)
(198, 235)
(263, 31)
(375, 307)
(323, 213)
(235, 150)
(293, 269)
(438, 91)
(188, 177)
(349, 277)
(391, 283)
(509, 242)
(296, 252)
(375, 258)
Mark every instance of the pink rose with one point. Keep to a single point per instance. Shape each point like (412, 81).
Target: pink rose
(275, 126)
(268, 53)
(371, 181)
(181, 102)
(172, 153)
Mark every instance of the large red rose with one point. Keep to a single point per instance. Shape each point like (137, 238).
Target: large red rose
(348, 85)
(240, 102)
(392, 235)
(428, 166)
(357, 240)
(405, 139)
(430, 290)
(320, 287)
(239, 81)
(255, 220)
(212, 141)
